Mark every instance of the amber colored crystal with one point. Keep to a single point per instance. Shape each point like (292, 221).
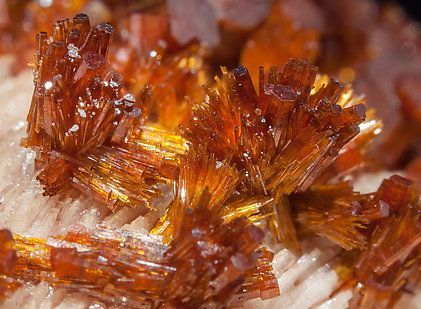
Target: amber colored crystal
(284, 36)
(117, 176)
(262, 283)
(175, 79)
(55, 177)
(380, 46)
(23, 19)
(198, 171)
(348, 161)
(396, 191)
(206, 263)
(281, 154)
(352, 158)
(78, 100)
(239, 123)
(275, 153)
(8, 260)
(392, 257)
(332, 211)
(374, 46)
(7, 253)
(82, 118)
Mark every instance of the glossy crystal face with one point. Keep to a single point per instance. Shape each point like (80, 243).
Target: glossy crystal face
(232, 176)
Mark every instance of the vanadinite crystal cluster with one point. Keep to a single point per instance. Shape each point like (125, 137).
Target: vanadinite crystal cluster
(217, 124)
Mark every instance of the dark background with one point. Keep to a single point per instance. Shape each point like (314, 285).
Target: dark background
(412, 7)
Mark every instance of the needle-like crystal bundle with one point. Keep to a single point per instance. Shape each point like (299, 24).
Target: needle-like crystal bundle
(277, 157)
(283, 136)
(332, 211)
(392, 258)
(81, 118)
(199, 171)
(176, 80)
(205, 264)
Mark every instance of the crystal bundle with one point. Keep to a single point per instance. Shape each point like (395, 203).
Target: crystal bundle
(137, 270)
(81, 117)
(252, 161)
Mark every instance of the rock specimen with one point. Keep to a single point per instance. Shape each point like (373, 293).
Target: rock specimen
(242, 159)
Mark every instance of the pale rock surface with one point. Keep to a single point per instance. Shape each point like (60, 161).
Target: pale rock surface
(23, 208)
(305, 282)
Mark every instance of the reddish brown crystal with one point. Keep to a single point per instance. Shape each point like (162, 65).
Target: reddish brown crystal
(392, 256)
(213, 263)
(276, 156)
(198, 172)
(358, 41)
(81, 118)
(77, 100)
(23, 19)
(396, 191)
(55, 177)
(175, 80)
(262, 283)
(7, 252)
(292, 30)
(281, 154)
(332, 211)
(351, 158)
(203, 265)
(379, 45)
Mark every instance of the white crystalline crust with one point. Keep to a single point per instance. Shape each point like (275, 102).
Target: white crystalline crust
(305, 282)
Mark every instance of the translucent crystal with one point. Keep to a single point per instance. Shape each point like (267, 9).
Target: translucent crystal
(284, 136)
(205, 263)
